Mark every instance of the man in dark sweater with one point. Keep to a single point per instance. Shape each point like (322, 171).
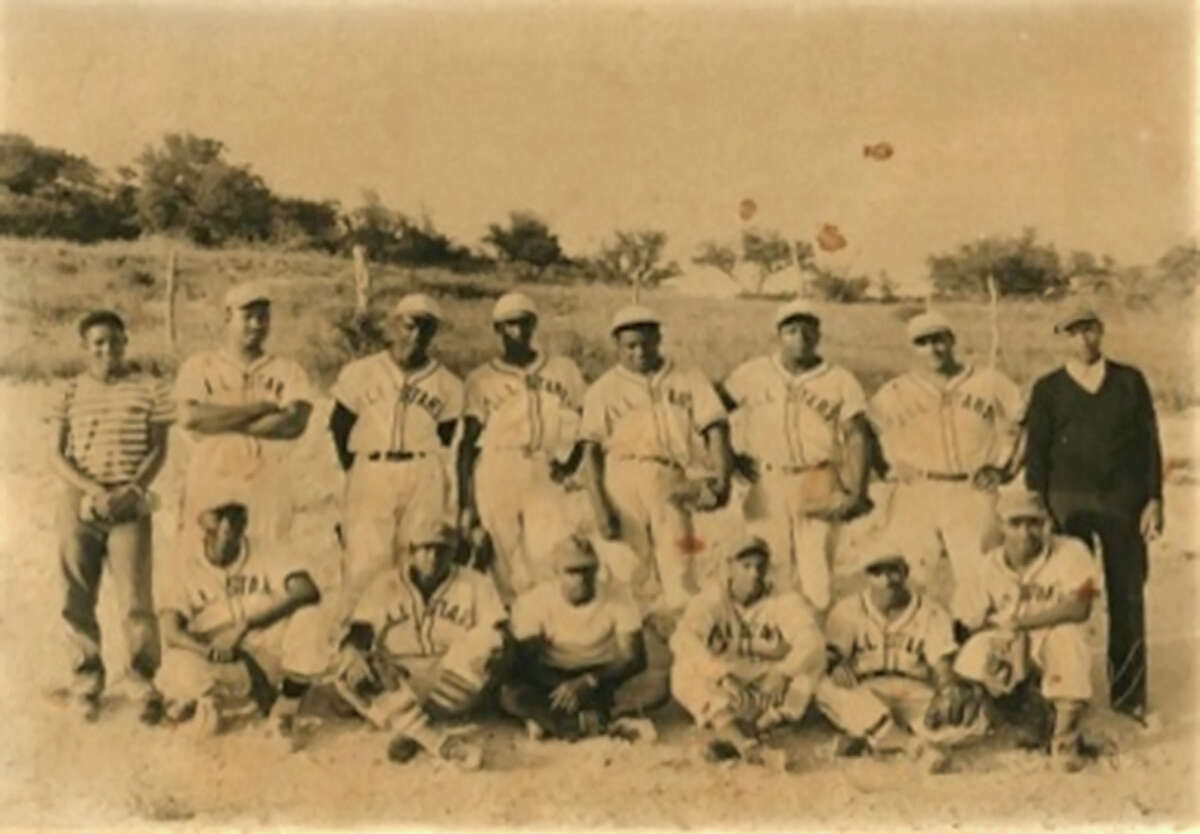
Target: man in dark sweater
(1093, 453)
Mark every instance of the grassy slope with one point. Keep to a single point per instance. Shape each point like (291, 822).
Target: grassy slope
(46, 285)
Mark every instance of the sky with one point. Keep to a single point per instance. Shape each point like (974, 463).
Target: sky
(1075, 119)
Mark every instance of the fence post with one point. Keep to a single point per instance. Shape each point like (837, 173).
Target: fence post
(994, 303)
(172, 291)
(362, 279)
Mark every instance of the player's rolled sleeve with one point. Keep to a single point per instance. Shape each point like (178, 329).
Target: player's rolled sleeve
(190, 383)
(347, 389)
(854, 399)
(840, 627)
(737, 384)
(706, 403)
(296, 384)
(594, 424)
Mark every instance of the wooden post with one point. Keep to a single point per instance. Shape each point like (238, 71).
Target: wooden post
(994, 302)
(362, 279)
(172, 290)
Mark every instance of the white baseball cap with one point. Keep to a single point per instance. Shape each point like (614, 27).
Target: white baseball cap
(417, 305)
(926, 324)
(793, 309)
(247, 293)
(633, 315)
(513, 305)
(1019, 502)
(750, 544)
(882, 553)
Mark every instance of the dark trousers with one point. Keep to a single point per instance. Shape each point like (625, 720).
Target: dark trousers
(1126, 568)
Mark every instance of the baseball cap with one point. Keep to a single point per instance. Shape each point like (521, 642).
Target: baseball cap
(1020, 503)
(209, 517)
(795, 309)
(1076, 316)
(433, 533)
(574, 553)
(926, 324)
(881, 553)
(418, 305)
(94, 317)
(633, 315)
(513, 305)
(750, 544)
(247, 293)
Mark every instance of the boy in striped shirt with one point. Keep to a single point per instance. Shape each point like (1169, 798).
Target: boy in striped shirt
(110, 441)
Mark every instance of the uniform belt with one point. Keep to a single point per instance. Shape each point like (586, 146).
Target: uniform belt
(661, 461)
(395, 456)
(794, 468)
(943, 476)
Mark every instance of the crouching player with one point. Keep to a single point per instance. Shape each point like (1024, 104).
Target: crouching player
(240, 626)
(580, 655)
(892, 686)
(746, 658)
(423, 645)
(1038, 591)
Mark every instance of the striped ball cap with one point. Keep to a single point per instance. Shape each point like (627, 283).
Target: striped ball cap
(513, 305)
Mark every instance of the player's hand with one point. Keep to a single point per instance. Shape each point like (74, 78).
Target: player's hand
(774, 687)
(124, 503)
(560, 470)
(1152, 520)
(354, 669)
(608, 524)
(224, 645)
(745, 466)
(842, 675)
(989, 477)
(846, 507)
(566, 695)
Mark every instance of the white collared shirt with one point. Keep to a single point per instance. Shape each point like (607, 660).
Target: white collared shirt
(1090, 377)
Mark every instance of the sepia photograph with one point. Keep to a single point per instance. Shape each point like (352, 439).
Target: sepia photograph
(662, 415)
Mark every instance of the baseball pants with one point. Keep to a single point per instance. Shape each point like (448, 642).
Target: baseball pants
(84, 548)
(879, 709)
(525, 513)
(658, 532)
(777, 508)
(1060, 652)
(928, 516)
(296, 647)
(382, 500)
(698, 688)
(1126, 569)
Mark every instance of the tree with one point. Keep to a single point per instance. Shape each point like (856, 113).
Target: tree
(768, 251)
(306, 224)
(716, 255)
(1020, 265)
(634, 256)
(391, 237)
(526, 242)
(1179, 267)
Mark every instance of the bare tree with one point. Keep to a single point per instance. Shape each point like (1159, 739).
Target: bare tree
(635, 256)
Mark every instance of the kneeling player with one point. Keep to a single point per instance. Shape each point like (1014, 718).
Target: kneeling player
(579, 656)
(746, 658)
(892, 686)
(240, 626)
(424, 642)
(1037, 597)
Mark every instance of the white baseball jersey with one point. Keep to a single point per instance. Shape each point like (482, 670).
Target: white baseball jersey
(576, 636)
(410, 629)
(636, 416)
(397, 410)
(536, 408)
(218, 377)
(793, 419)
(778, 632)
(950, 429)
(1065, 569)
(908, 645)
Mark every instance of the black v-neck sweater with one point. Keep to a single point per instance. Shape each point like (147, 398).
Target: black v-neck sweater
(1103, 445)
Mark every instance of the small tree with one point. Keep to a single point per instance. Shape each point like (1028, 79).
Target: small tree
(716, 255)
(1020, 265)
(636, 257)
(766, 250)
(526, 242)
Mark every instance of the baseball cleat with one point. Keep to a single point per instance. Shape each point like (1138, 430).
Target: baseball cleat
(402, 749)
(152, 711)
(634, 730)
(206, 719)
(464, 754)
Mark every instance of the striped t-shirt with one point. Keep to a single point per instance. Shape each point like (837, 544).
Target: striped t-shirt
(108, 423)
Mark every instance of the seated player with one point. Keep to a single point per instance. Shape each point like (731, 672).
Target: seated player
(892, 687)
(580, 655)
(1036, 600)
(747, 658)
(240, 625)
(422, 646)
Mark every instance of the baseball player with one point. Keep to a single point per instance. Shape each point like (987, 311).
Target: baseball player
(1037, 591)
(648, 425)
(394, 419)
(110, 440)
(522, 411)
(801, 423)
(949, 433)
(425, 642)
(580, 655)
(746, 658)
(243, 407)
(240, 621)
(891, 686)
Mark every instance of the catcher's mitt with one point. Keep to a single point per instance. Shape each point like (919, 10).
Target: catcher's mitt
(955, 705)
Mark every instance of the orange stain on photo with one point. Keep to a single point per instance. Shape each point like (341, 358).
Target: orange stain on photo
(747, 208)
(879, 151)
(691, 544)
(830, 238)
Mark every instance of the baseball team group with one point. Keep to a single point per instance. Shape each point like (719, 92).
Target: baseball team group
(522, 542)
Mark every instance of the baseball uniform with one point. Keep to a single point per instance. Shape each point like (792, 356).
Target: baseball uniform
(651, 430)
(1064, 569)
(893, 661)
(722, 649)
(232, 466)
(530, 416)
(792, 425)
(211, 597)
(935, 436)
(401, 470)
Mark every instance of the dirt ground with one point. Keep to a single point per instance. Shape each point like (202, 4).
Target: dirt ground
(55, 770)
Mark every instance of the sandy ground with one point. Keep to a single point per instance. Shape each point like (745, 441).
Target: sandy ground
(58, 771)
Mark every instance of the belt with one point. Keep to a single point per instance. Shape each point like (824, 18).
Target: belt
(661, 461)
(392, 457)
(793, 469)
(943, 476)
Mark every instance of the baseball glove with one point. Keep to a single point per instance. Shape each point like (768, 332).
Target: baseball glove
(699, 495)
(989, 476)
(954, 705)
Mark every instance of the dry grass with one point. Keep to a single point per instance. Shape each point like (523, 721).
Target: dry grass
(46, 286)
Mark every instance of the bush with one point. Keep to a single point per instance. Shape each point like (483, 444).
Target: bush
(527, 243)
(1020, 266)
(633, 257)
